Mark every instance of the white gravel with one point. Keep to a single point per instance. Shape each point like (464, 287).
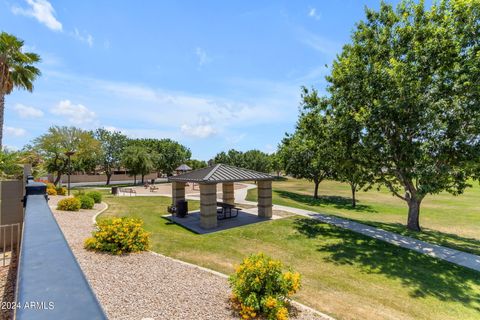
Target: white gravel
(146, 285)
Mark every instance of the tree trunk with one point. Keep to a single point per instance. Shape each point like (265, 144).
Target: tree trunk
(134, 179)
(57, 179)
(143, 178)
(109, 176)
(354, 200)
(315, 192)
(2, 111)
(413, 222)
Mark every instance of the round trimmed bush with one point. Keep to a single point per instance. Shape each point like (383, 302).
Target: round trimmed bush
(95, 195)
(119, 235)
(86, 202)
(51, 191)
(69, 204)
(261, 288)
(61, 191)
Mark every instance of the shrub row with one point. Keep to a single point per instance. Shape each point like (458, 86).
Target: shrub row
(80, 201)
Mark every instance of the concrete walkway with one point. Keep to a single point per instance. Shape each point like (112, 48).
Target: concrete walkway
(451, 255)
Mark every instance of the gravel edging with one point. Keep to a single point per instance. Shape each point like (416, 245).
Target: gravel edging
(150, 285)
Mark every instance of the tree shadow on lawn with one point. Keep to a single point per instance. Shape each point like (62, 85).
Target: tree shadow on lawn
(424, 275)
(450, 240)
(338, 202)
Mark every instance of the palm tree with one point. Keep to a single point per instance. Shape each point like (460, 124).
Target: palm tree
(16, 70)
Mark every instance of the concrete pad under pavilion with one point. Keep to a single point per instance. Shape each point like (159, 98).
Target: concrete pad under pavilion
(208, 178)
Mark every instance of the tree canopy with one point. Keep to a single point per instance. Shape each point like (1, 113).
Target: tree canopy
(112, 145)
(138, 160)
(308, 152)
(53, 146)
(17, 70)
(410, 81)
(252, 159)
(166, 153)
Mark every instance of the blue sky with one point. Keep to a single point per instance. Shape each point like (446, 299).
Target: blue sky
(212, 75)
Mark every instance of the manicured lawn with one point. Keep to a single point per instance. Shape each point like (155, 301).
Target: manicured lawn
(452, 221)
(345, 274)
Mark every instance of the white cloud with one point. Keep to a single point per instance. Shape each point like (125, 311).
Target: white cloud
(202, 56)
(75, 113)
(27, 112)
(85, 38)
(202, 128)
(15, 132)
(41, 10)
(314, 14)
(141, 110)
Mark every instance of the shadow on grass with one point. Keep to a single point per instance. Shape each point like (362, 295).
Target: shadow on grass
(424, 275)
(334, 201)
(445, 239)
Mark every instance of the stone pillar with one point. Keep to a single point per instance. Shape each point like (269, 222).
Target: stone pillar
(228, 193)
(208, 206)
(264, 189)
(178, 192)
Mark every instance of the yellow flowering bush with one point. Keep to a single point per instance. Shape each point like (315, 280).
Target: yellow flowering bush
(61, 191)
(119, 235)
(261, 288)
(69, 204)
(51, 191)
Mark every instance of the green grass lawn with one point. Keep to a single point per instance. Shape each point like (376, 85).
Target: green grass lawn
(346, 275)
(452, 221)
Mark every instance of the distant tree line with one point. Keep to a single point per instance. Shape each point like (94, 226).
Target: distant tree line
(252, 159)
(101, 149)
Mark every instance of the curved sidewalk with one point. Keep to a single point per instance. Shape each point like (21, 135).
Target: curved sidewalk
(458, 257)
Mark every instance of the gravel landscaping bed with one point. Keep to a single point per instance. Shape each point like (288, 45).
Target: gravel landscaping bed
(8, 276)
(147, 285)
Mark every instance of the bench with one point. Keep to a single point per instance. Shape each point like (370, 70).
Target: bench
(153, 188)
(130, 191)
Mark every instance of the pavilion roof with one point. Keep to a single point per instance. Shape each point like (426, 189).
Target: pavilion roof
(183, 167)
(221, 173)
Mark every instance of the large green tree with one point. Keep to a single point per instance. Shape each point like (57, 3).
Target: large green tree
(196, 164)
(168, 154)
(54, 145)
(257, 160)
(251, 159)
(138, 160)
(410, 77)
(16, 70)
(112, 145)
(308, 153)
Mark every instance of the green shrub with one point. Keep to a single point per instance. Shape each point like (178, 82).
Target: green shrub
(95, 195)
(119, 235)
(50, 185)
(86, 202)
(51, 191)
(69, 204)
(261, 288)
(61, 191)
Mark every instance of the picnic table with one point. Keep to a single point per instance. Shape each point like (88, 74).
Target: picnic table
(226, 211)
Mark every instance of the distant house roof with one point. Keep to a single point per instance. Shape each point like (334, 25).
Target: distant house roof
(183, 167)
(220, 173)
